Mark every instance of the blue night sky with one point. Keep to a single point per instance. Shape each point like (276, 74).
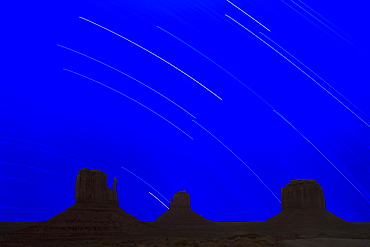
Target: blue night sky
(228, 100)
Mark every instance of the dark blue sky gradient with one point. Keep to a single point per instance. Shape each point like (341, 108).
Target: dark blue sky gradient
(54, 122)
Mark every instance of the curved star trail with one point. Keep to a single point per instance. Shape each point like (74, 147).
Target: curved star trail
(146, 183)
(238, 159)
(314, 73)
(321, 22)
(159, 200)
(318, 150)
(35, 168)
(40, 149)
(30, 181)
(305, 17)
(168, 121)
(320, 16)
(301, 71)
(248, 15)
(128, 77)
(39, 144)
(217, 66)
(273, 108)
(286, 127)
(295, 127)
(154, 55)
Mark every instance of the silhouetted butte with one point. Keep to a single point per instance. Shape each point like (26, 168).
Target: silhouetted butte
(180, 213)
(304, 203)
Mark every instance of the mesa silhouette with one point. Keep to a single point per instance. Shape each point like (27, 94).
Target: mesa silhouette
(96, 215)
(304, 203)
(180, 212)
(96, 208)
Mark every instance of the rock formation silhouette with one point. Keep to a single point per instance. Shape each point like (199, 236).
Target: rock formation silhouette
(304, 203)
(96, 209)
(180, 200)
(180, 212)
(97, 218)
(91, 187)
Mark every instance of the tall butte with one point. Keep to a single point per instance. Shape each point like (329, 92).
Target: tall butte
(304, 203)
(91, 187)
(180, 212)
(96, 210)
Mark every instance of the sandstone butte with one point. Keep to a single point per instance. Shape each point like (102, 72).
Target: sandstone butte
(180, 213)
(97, 218)
(96, 209)
(303, 202)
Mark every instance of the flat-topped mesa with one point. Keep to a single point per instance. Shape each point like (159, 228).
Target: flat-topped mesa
(304, 203)
(180, 200)
(303, 194)
(91, 187)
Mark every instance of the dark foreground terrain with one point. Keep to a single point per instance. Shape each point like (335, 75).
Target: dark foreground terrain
(220, 234)
(97, 220)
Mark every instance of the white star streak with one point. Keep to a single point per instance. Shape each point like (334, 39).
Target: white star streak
(248, 15)
(313, 73)
(129, 77)
(321, 22)
(43, 185)
(153, 55)
(238, 159)
(321, 153)
(301, 71)
(217, 66)
(34, 168)
(146, 183)
(39, 144)
(305, 17)
(159, 200)
(321, 16)
(40, 149)
(132, 100)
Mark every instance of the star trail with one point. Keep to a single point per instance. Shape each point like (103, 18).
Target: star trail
(204, 67)
(159, 115)
(302, 72)
(154, 55)
(129, 77)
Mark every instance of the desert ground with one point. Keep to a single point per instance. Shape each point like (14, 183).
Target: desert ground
(220, 234)
(97, 220)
